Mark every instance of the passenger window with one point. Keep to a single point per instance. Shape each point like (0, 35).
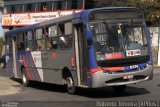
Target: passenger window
(29, 35)
(41, 44)
(65, 42)
(30, 41)
(20, 42)
(68, 28)
(53, 31)
(52, 44)
(61, 31)
(45, 32)
(39, 33)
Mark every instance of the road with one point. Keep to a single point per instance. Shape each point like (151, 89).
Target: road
(145, 91)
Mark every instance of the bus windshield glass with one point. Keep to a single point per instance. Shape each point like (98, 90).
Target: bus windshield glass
(119, 38)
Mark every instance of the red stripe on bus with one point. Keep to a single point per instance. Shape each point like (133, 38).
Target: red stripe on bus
(25, 65)
(116, 69)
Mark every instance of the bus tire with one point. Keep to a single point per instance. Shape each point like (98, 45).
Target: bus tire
(25, 80)
(71, 88)
(119, 89)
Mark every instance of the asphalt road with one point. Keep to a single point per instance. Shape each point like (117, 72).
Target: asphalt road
(145, 91)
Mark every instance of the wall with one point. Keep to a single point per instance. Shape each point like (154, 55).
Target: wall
(154, 39)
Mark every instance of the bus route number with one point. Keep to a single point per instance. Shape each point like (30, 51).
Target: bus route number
(133, 66)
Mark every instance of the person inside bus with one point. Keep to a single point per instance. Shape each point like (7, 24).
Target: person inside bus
(45, 33)
(50, 45)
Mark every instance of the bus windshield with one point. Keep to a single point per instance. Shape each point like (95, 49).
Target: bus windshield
(119, 39)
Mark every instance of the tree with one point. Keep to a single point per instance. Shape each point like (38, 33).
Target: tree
(151, 8)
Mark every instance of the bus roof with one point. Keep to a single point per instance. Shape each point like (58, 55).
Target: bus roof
(66, 18)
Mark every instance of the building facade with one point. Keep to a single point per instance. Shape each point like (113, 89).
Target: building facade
(20, 13)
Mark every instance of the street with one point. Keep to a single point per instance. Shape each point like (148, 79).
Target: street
(145, 91)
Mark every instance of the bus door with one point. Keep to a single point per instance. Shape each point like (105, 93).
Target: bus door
(14, 47)
(9, 55)
(83, 54)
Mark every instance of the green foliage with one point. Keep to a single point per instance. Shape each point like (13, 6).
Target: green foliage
(151, 8)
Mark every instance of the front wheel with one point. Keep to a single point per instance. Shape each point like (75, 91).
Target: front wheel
(70, 85)
(25, 80)
(119, 89)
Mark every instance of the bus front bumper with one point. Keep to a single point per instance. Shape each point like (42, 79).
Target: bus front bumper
(101, 79)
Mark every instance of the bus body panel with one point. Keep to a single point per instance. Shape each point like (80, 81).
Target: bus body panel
(53, 64)
(9, 64)
(102, 79)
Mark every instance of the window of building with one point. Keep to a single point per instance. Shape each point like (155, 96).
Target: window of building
(74, 4)
(44, 6)
(58, 5)
(18, 8)
(12, 8)
(7, 9)
(49, 6)
(29, 7)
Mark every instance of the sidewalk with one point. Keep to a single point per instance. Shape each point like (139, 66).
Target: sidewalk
(156, 66)
(8, 86)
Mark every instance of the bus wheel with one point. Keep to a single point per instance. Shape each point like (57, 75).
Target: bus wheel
(119, 89)
(70, 85)
(25, 80)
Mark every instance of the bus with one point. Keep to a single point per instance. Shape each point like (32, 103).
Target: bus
(94, 48)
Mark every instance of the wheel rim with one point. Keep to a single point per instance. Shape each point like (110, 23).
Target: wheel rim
(69, 83)
(24, 79)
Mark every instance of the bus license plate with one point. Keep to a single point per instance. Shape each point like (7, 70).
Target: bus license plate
(128, 77)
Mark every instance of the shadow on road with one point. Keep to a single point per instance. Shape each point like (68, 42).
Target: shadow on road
(43, 86)
(106, 92)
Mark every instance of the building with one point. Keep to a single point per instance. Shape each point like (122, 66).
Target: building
(20, 13)
(1, 5)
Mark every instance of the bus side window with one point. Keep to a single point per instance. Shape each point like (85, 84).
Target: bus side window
(29, 42)
(52, 31)
(65, 42)
(40, 39)
(39, 33)
(52, 44)
(41, 44)
(20, 42)
(45, 32)
(61, 30)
